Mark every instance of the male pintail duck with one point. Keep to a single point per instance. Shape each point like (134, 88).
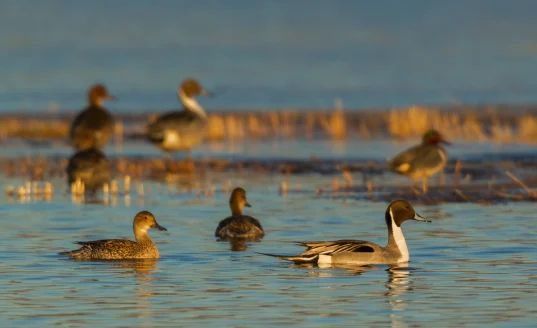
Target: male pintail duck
(181, 130)
(424, 160)
(92, 168)
(359, 252)
(93, 127)
(239, 226)
(118, 249)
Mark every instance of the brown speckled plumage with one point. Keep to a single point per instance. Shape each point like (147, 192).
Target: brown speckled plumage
(117, 249)
(239, 226)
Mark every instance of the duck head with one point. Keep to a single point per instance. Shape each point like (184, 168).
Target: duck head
(238, 200)
(191, 88)
(144, 221)
(433, 137)
(97, 94)
(400, 211)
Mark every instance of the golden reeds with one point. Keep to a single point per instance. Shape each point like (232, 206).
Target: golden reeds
(461, 123)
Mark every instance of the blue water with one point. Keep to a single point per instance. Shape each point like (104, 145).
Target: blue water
(271, 54)
(473, 266)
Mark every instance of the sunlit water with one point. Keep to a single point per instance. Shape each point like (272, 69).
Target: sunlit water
(473, 265)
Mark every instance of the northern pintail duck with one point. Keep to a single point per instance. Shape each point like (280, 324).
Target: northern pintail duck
(93, 127)
(181, 130)
(424, 160)
(92, 168)
(118, 249)
(359, 252)
(239, 226)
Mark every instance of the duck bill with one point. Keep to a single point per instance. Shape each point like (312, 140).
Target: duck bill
(247, 204)
(445, 142)
(110, 97)
(206, 93)
(159, 227)
(418, 217)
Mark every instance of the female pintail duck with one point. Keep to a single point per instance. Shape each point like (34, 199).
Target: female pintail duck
(118, 249)
(181, 130)
(239, 226)
(93, 127)
(92, 168)
(359, 252)
(424, 160)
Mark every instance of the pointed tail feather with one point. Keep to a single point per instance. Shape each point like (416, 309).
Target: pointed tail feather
(294, 258)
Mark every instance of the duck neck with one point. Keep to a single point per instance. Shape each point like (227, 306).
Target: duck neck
(236, 209)
(142, 237)
(96, 103)
(192, 104)
(396, 238)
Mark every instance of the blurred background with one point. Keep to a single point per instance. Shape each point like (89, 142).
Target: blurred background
(268, 54)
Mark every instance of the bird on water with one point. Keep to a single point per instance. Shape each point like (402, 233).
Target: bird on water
(422, 161)
(93, 127)
(181, 130)
(119, 249)
(238, 225)
(360, 252)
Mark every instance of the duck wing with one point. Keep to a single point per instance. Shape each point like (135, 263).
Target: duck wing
(103, 246)
(106, 243)
(91, 128)
(314, 249)
(180, 121)
(422, 156)
(235, 226)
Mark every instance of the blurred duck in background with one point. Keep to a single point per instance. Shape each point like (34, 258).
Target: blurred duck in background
(422, 161)
(181, 130)
(93, 127)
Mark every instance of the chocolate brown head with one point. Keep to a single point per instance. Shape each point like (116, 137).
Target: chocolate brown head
(192, 88)
(400, 211)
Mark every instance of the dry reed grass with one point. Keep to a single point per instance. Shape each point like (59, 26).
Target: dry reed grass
(471, 124)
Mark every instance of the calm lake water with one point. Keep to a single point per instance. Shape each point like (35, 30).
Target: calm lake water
(268, 54)
(474, 265)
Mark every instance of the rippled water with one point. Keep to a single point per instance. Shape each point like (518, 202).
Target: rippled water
(474, 265)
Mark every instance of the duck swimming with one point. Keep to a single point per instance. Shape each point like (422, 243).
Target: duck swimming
(424, 160)
(239, 226)
(118, 249)
(359, 252)
(93, 127)
(181, 130)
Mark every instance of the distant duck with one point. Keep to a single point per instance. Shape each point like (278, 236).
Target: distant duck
(239, 226)
(93, 127)
(360, 252)
(185, 129)
(424, 160)
(90, 167)
(119, 249)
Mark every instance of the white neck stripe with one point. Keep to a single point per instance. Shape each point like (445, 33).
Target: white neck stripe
(400, 241)
(191, 104)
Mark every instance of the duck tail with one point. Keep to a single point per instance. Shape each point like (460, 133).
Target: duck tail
(295, 258)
